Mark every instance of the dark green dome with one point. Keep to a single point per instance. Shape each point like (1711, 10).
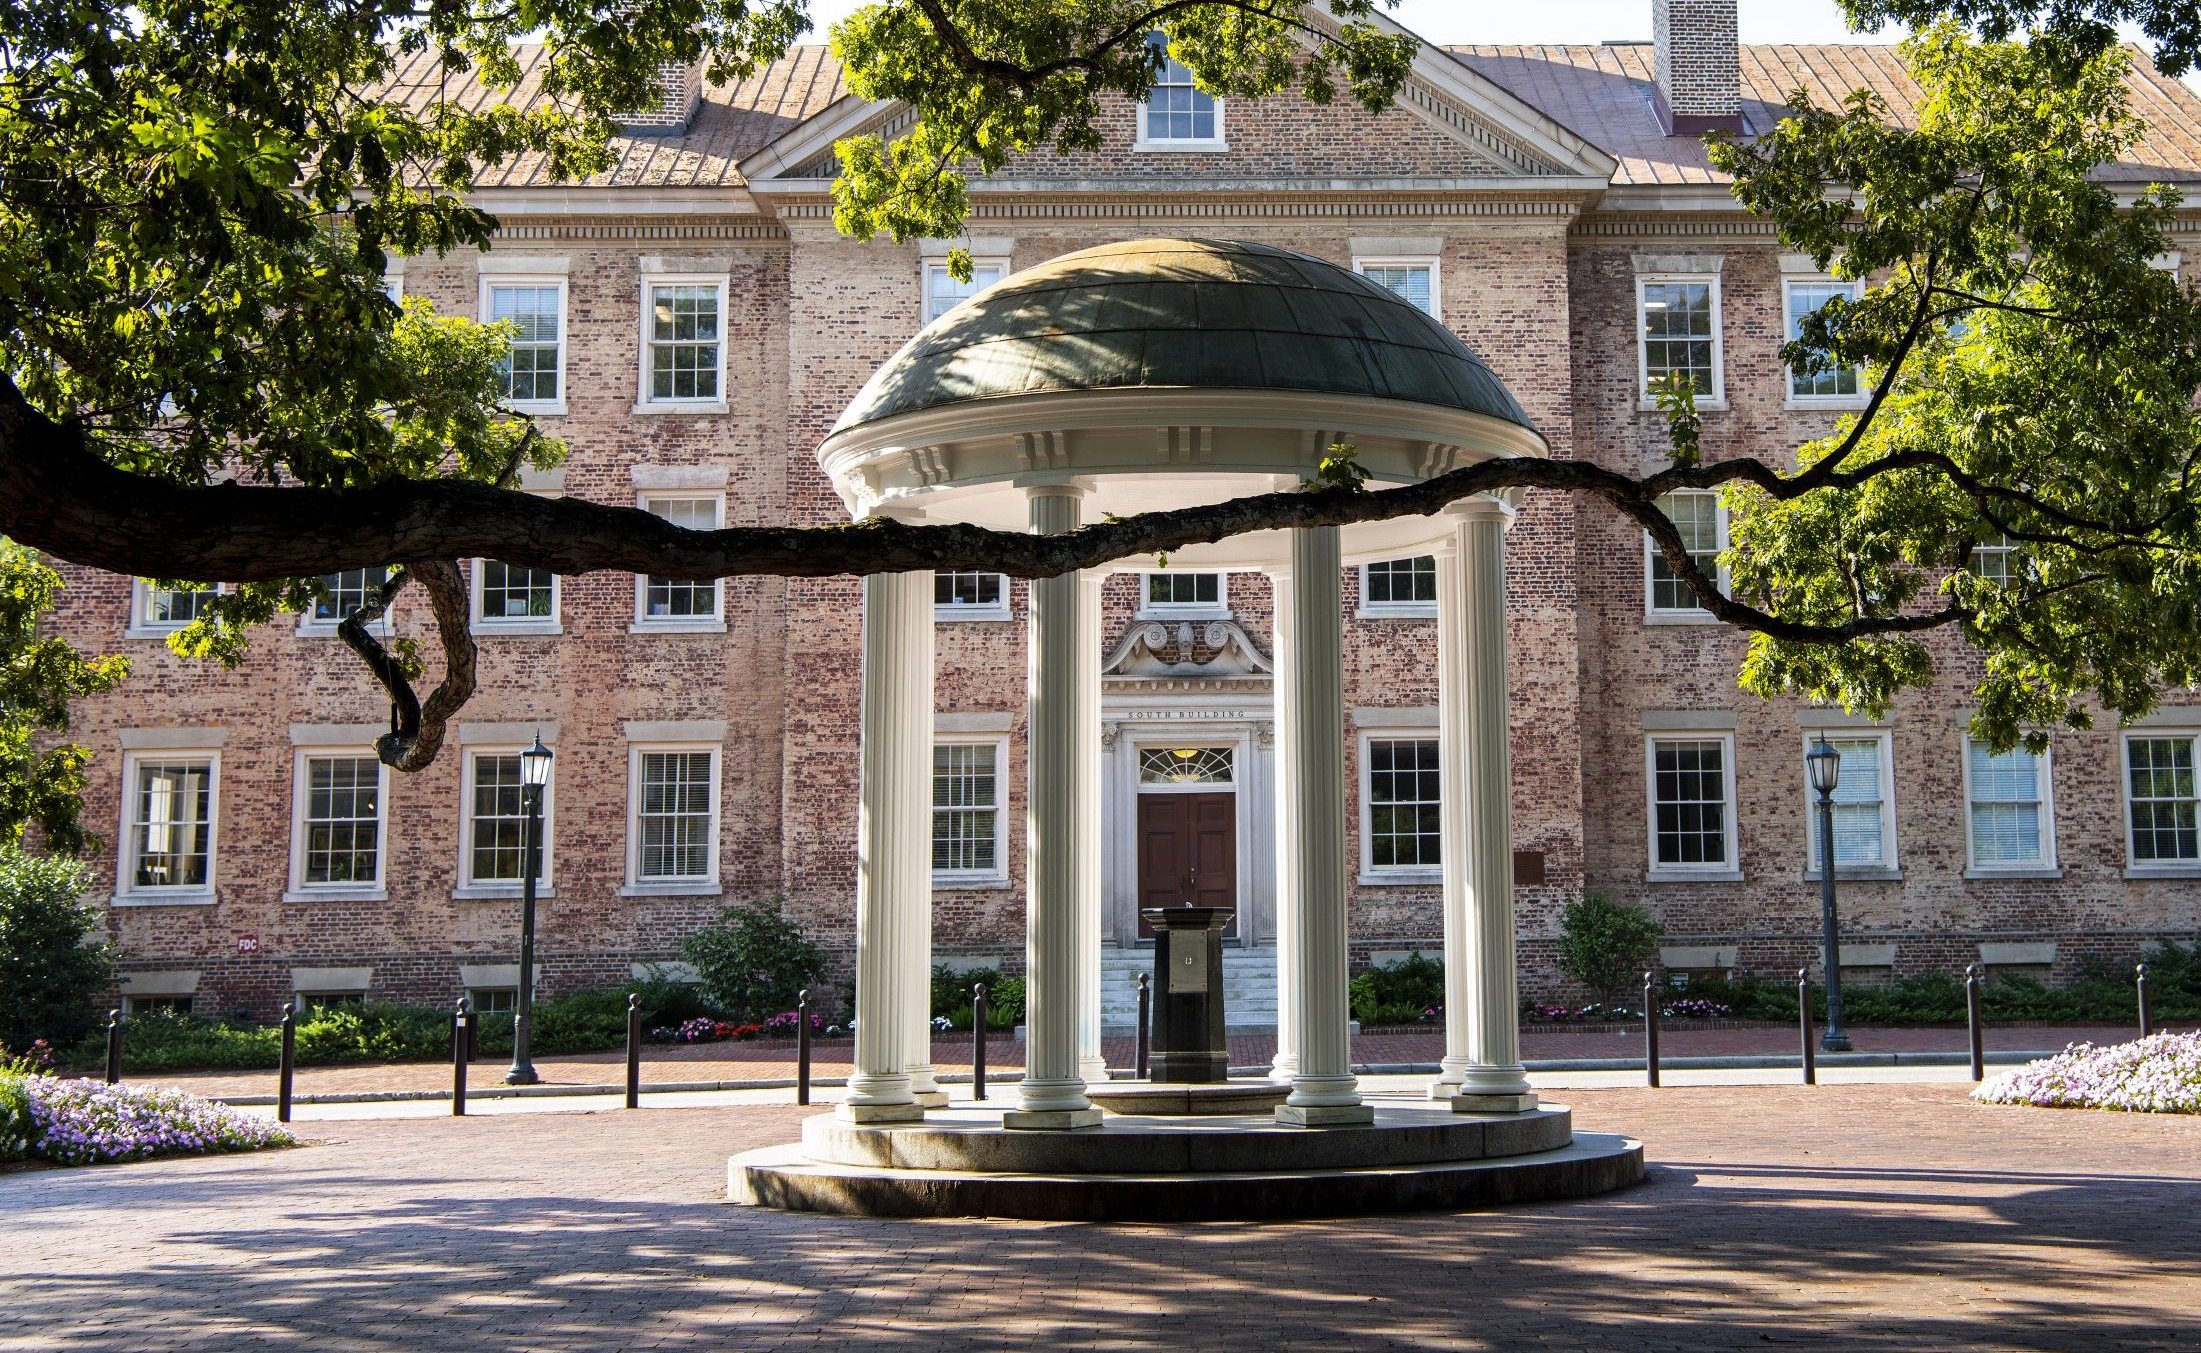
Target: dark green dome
(1184, 314)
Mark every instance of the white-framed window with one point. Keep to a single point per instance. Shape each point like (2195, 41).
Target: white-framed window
(171, 802)
(156, 612)
(1998, 559)
(1177, 114)
(343, 593)
(494, 1000)
(1801, 297)
(1179, 593)
(308, 1001)
(509, 599)
(532, 376)
(970, 596)
(156, 1005)
(683, 342)
(1702, 521)
(2162, 805)
(1689, 782)
(393, 287)
(1401, 814)
(943, 292)
(1864, 804)
(1678, 330)
(1399, 587)
(493, 823)
(969, 784)
(2009, 809)
(681, 603)
(1414, 280)
(672, 816)
(339, 824)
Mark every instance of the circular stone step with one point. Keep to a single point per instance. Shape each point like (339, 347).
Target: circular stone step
(1177, 1100)
(781, 1177)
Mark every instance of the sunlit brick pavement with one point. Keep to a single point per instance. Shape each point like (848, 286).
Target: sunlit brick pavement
(1884, 1217)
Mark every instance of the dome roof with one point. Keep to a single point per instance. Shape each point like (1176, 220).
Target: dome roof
(1178, 314)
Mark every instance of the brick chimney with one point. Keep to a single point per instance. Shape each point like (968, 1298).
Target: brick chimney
(679, 90)
(1699, 85)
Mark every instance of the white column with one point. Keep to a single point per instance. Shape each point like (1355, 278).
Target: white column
(1459, 985)
(1493, 1080)
(1284, 784)
(1324, 1092)
(1052, 1093)
(893, 845)
(1092, 1062)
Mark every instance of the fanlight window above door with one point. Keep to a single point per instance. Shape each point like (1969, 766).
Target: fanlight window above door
(1185, 765)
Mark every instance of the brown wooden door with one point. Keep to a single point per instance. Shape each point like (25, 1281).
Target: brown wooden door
(1188, 852)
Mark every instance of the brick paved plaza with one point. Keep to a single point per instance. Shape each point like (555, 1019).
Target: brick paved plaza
(1853, 1217)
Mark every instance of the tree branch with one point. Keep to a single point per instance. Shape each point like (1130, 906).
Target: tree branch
(417, 730)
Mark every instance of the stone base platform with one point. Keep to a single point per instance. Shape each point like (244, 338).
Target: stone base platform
(1160, 1099)
(962, 1163)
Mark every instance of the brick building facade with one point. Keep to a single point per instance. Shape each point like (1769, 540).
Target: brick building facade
(692, 325)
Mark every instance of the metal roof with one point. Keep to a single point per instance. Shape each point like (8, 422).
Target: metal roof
(1178, 314)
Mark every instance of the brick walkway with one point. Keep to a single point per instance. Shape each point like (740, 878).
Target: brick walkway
(665, 1064)
(1874, 1218)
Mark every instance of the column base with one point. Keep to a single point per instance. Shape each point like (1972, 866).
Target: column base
(932, 1099)
(1050, 1120)
(1463, 1103)
(1093, 1070)
(881, 1113)
(1325, 1115)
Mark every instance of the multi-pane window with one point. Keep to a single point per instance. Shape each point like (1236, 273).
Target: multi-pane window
(2006, 797)
(331, 1000)
(1698, 517)
(494, 1000)
(1996, 559)
(1833, 382)
(341, 821)
(674, 818)
(676, 600)
(2161, 799)
(169, 608)
(536, 310)
(496, 816)
(970, 592)
(1172, 590)
(171, 841)
(511, 593)
(943, 292)
(1416, 283)
(1403, 812)
(1680, 324)
(1178, 109)
(966, 809)
(345, 592)
(1400, 584)
(156, 1005)
(1690, 820)
(683, 345)
(1861, 827)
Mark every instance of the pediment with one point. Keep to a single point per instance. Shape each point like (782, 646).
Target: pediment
(1166, 649)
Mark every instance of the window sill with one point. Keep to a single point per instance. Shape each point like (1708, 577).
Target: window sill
(1645, 404)
(150, 631)
(1400, 878)
(1823, 404)
(969, 882)
(1664, 618)
(2163, 871)
(555, 408)
(1987, 875)
(494, 629)
(336, 895)
(193, 897)
(498, 892)
(957, 615)
(1393, 611)
(1693, 876)
(677, 627)
(692, 408)
(1171, 147)
(1858, 875)
(1183, 613)
(698, 889)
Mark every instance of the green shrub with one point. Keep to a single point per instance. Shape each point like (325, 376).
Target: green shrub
(1005, 1003)
(754, 961)
(15, 1117)
(1397, 993)
(50, 975)
(951, 996)
(1605, 945)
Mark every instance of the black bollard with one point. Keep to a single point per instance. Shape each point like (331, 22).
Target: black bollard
(287, 1065)
(1650, 1029)
(634, 1051)
(1803, 1025)
(1973, 1024)
(459, 1021)
(473, 1032)
(802, 1046)
(2147, 1016)
(1146, 1027)
(114, 1046)
(978, 1041)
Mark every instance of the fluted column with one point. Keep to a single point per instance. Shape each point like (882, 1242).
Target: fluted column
(1092, 1062)
(893, 847)
(1493, 1079)
(1459, 983)
(1324, 1091)
(1052, 1093)
(1285, 1064)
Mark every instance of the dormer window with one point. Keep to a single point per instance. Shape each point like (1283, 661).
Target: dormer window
(1178, 114)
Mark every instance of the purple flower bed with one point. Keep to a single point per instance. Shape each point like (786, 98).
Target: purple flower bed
(2158, 1074)
(82, 1122)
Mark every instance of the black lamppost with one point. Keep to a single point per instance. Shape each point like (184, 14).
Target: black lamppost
(1825, 767)
(534, 774)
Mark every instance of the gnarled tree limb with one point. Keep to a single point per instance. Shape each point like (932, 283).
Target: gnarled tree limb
(417, 729)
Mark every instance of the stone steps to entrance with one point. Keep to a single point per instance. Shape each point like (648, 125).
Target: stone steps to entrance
(1249, 987)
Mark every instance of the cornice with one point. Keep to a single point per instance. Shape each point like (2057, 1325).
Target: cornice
(614, 228)
(1191, 202)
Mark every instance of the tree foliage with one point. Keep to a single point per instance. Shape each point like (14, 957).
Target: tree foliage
(41, 774)
(1604, 944)
(50, 965)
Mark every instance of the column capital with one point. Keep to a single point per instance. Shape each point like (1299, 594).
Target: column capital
(1052, 484)
(1500, 507)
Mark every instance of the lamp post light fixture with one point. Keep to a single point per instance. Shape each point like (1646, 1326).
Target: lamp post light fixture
(534, 774)
(1824, 765)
